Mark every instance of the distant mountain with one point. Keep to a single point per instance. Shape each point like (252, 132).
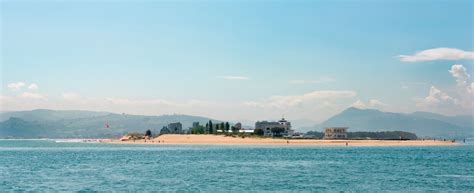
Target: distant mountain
(421, 123)
(461, 120)
(49, 115)
(84, 124)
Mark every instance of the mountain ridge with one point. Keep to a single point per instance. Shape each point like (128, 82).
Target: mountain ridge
(85, 124)
(423, 124)
(44, 123)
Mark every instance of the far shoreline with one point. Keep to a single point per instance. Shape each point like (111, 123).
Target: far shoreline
(176, 139)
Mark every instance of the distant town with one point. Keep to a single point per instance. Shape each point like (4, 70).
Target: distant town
(270, 129)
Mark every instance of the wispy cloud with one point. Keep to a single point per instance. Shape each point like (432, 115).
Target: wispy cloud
(318, 81)
(294, 100)
(29, 95)
(33, 86)
(317, 105)
(16, 86)
(234, 77)
(20, 85)
(437, 54)
(372, 103)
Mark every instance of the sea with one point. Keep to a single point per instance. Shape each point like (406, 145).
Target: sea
(74, 166)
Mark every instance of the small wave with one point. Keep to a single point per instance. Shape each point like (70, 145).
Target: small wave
(455, 176)
(76, 141)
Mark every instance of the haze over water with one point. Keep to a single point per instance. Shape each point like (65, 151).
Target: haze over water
(31, 165)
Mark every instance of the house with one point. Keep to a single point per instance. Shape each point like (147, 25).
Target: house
(175, 128)
(275, 128)
(335, 133)
(165, 130)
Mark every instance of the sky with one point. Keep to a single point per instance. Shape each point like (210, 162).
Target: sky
(238, 60)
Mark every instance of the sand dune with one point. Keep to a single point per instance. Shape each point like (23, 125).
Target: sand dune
(226, 140)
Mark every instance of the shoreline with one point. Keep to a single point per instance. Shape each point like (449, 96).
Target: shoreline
(174, 139)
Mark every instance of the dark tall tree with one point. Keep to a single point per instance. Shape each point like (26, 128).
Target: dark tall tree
(222, 126)
(227, 126)
(210, 127)
(258, 132)
(148, 133)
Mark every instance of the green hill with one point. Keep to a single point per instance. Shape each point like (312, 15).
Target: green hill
(84, 124)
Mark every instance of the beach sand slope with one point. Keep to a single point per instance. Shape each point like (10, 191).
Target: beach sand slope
(229, 140)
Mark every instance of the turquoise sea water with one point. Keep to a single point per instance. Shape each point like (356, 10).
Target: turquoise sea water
(32, 165)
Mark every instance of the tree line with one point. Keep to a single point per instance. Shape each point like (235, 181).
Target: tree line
(212, 128)
(370, 135)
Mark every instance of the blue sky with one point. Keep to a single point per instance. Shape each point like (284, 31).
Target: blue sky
(236, 59)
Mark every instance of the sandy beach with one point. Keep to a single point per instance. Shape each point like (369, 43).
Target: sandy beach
(227, 140)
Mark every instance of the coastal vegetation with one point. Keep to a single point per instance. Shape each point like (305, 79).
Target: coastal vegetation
(148, 133)
(258, 132)
(388, 135)
(136, 136)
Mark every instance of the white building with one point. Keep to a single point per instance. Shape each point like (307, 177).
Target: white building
(246, 131)
(267, 127)
(335, 133)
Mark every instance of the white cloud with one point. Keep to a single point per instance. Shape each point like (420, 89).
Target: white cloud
(375, 102)
(436, 97)
(29, 95)
(459, 101)
(372, 103)
(464, 84)
(437, 54)
(459, 72)
(294, 100)
(234, 77)
(317, 105)
(16, 86)
(33, 86)
(359, 104)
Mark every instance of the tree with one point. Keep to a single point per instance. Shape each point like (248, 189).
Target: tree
(217, 126)
(198, 130)
(258, 132)
(148, 133)
(136, 135)
(227, 126)
(222, 126)
(210, 127)
(235, 129)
